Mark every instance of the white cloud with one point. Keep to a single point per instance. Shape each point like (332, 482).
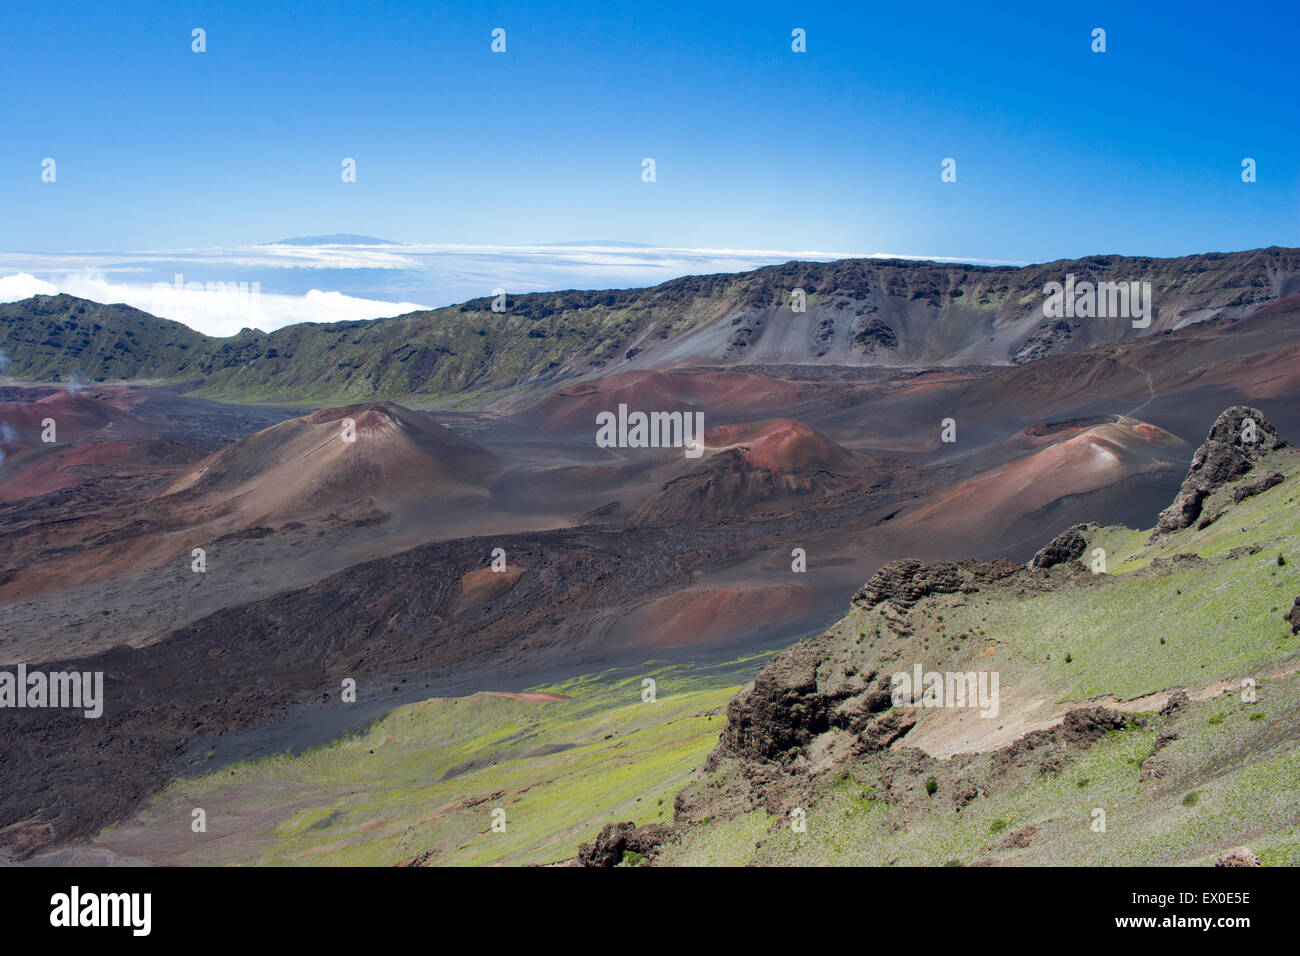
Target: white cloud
(325, 257)
(24, 285)
(214, 308)
(217, 308)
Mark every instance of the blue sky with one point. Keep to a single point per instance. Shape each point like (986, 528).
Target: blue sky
(1061, 152)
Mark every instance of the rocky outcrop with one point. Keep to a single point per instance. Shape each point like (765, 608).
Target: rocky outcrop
(906, 581)
(1227, 453)
(883, 730)
(616, 839)
(825, 682)
(1049, 749)
(804, 691)
(1046, 340)
(1069, 545)
(782, 710)
(1241, 856)
(1254, 486)
(874, 335)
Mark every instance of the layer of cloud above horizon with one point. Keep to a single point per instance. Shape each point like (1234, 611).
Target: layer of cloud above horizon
(221, 291)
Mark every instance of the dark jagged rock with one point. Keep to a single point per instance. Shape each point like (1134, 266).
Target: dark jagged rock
(1255, 486)
(1078, 731)
(1207, 520)
(1046, 340)
(1241, 856)
(1225, 455)
(1294, 617)
(906, 581)
(875, 334)
(782, 710)
(855, 713)
(616, 839)
(1069, 545)
(963, 792)
(822, 683)
(1019, 839)
(804, 691)
(1177, 701)
(424, 858)
(884, 730)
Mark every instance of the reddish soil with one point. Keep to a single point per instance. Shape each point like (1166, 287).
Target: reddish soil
(715, 614)
(719, 393)
(303, 466)
(485, 584)
(1078, 461)
(78, 416)
(784, 446)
